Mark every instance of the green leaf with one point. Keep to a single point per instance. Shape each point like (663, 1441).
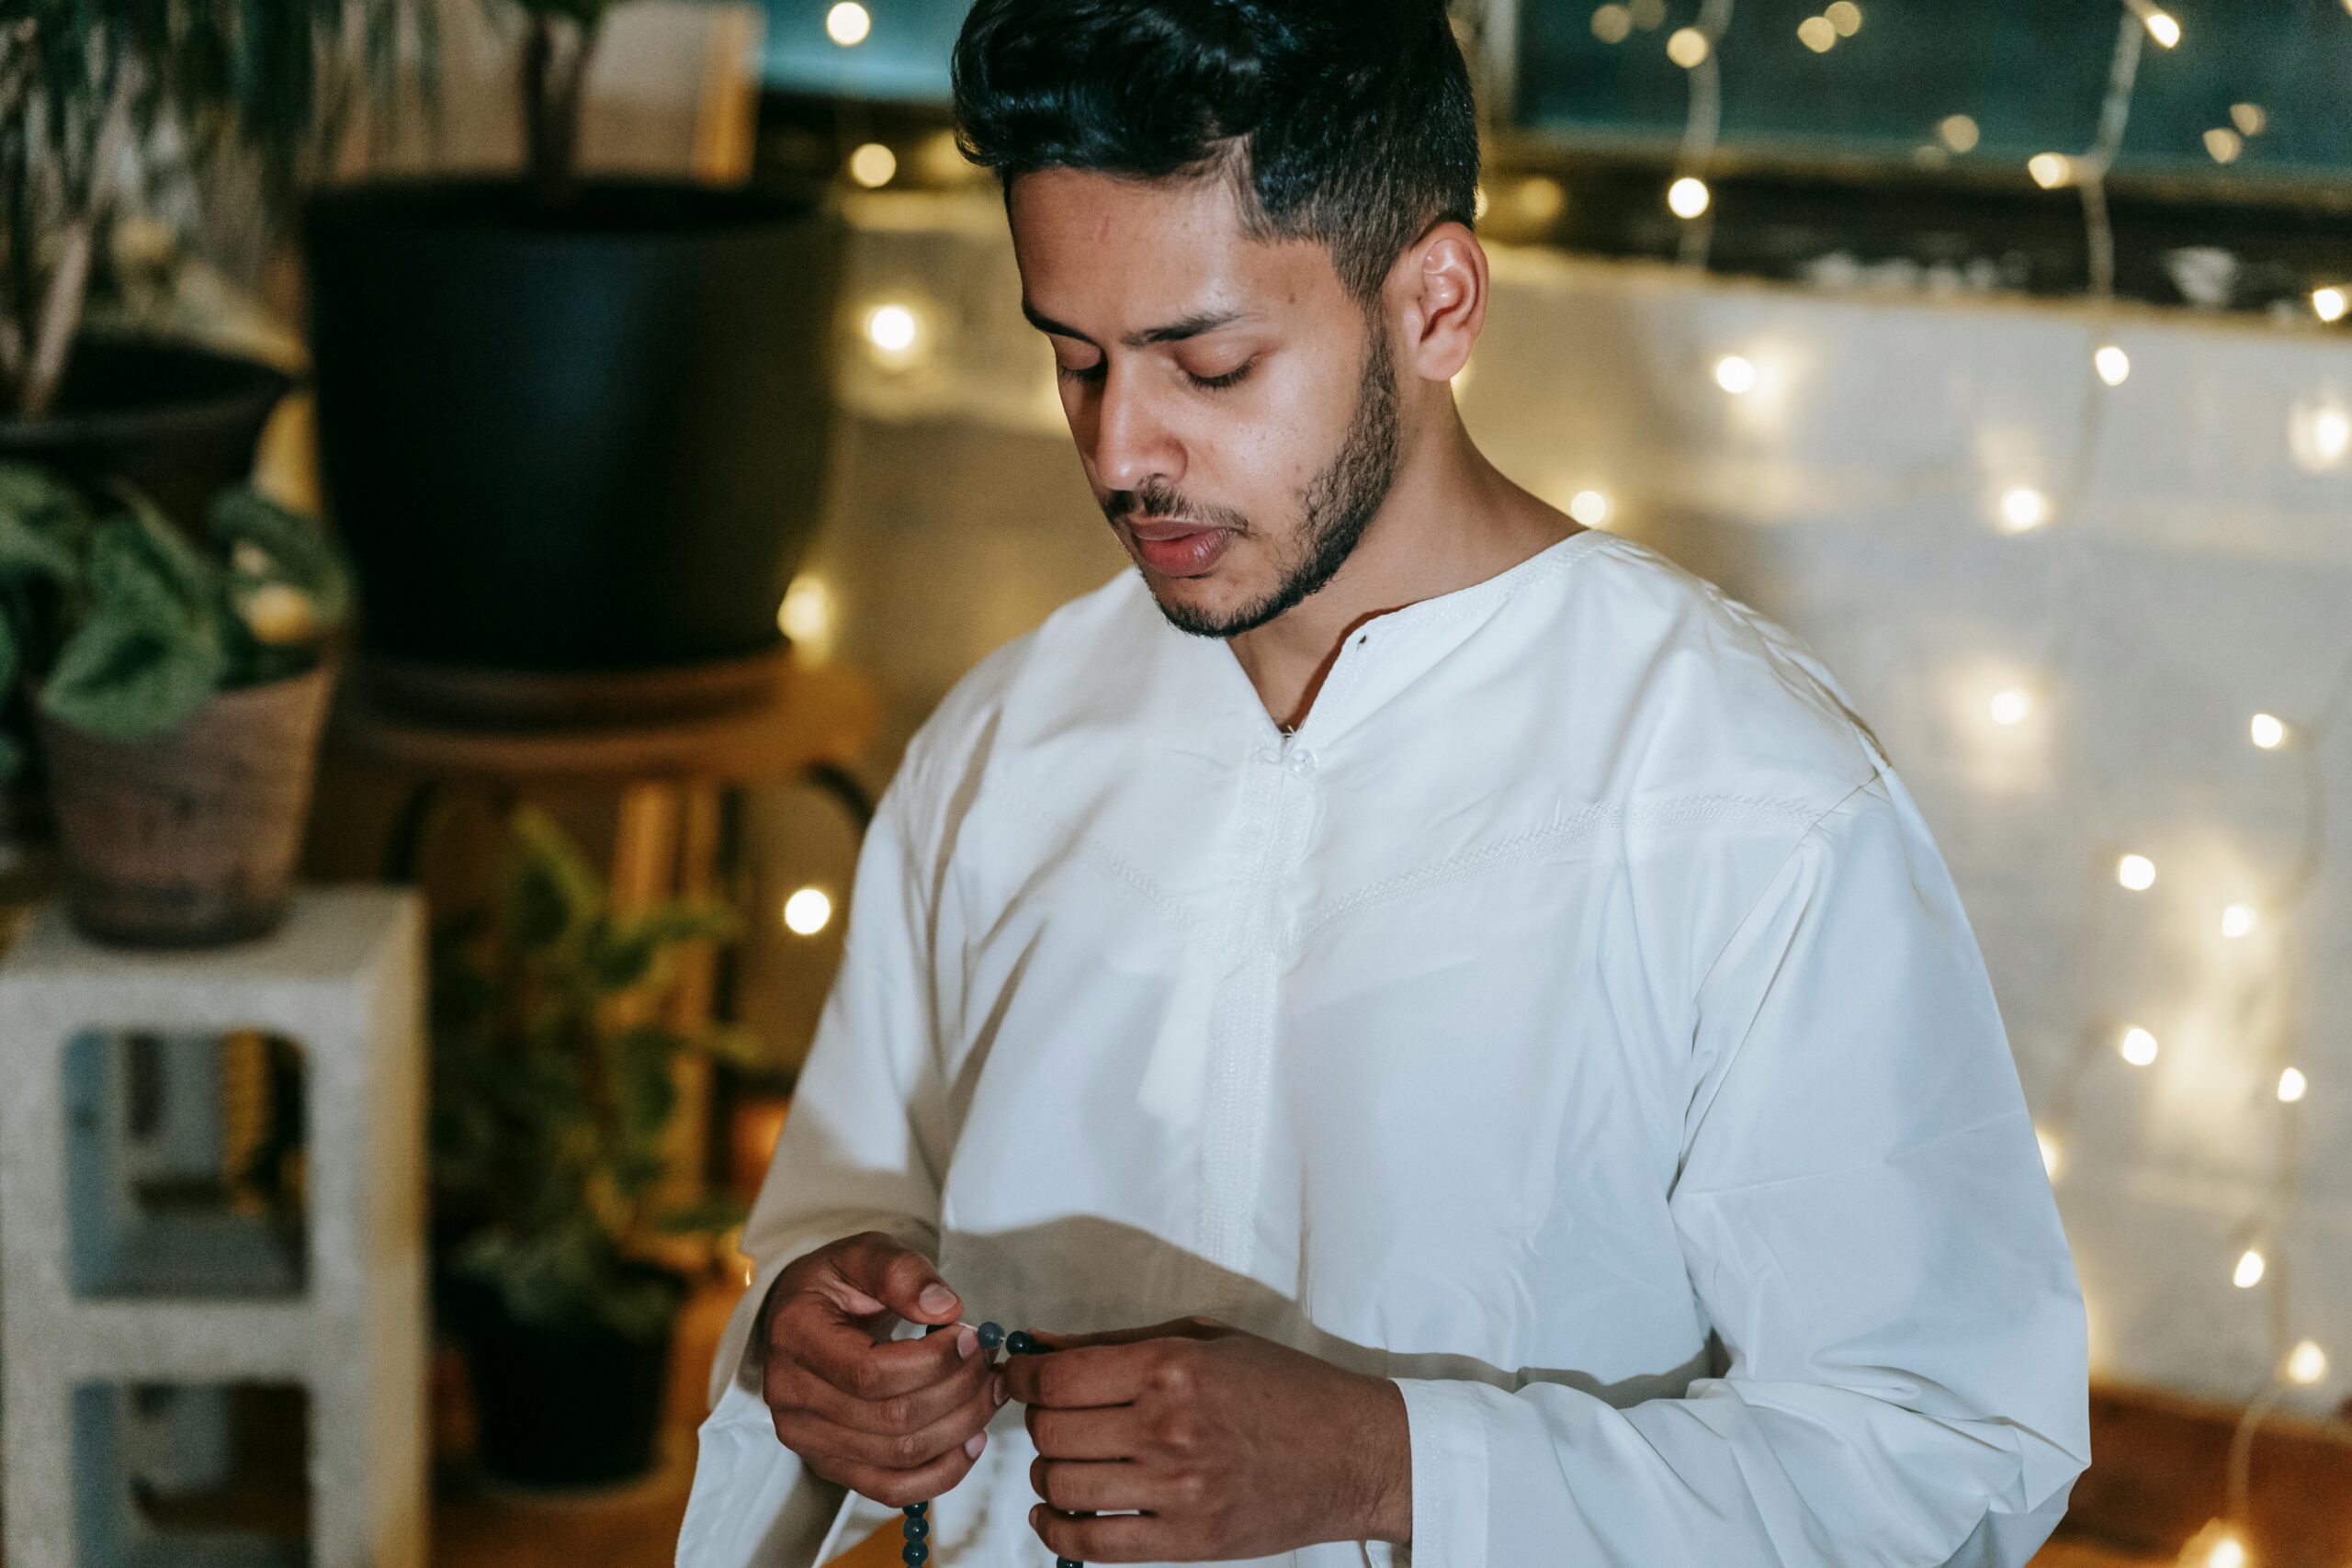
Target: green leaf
(116, 677)
(626, 954)
(42, 524)
(142, 570)
(548, 892)
(301, 554)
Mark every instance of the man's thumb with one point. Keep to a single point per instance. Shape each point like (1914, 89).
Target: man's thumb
(911, 1287)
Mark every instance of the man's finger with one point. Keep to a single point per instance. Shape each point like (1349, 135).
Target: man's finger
(897, 1488)
(1191, 1327)
(1087, 1376)
(839, 1349)
(899, 1276)
(1107, 1432)
(805, 1434)
(791, 1384)
(1101, 1538)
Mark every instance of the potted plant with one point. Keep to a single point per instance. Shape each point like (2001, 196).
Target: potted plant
(99, 100)
(570, 423)
(554, 1088)
(180, 689)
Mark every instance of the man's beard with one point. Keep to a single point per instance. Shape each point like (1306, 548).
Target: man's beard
(1336, 507)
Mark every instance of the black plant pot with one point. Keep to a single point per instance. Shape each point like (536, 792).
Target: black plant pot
(593, 439)
(565, 1404)
(177, 421)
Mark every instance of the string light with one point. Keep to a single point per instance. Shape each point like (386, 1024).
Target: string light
(2248, 1273)
(2329, 303)
(2010, 707)
(1958, 132)
(2306, 1363)
(1613, 24)
(808, 911)
(2114, 366)
(2051, 170)
(2137, 873)
(873, 164)
(1735, 374)
(2223, 146)
(2267, 730)
(895, 333)
(2237, 921)
(2161, 25)
(1589, 507)
(1688, 48)
(2218, 1545)
(848, 24)
(2024, 509)
(2138, 1047)
(807, 618)
(1818, 34)
(1687, 196)
(2292, 1085)
(1845, 16)
(2251, 119)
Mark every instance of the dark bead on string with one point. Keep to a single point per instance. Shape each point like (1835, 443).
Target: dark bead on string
(1018, 1343)
(915, 1526)
(991, 1335)
(918, 1509)
(914, 1553)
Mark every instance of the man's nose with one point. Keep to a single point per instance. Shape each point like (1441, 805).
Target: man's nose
(1132, 443)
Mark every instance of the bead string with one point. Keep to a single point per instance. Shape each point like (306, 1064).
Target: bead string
(916, 1525)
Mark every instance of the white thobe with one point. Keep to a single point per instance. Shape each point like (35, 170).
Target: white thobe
(1574, 1022)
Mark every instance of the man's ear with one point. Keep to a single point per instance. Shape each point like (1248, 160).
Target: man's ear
(1437, 294)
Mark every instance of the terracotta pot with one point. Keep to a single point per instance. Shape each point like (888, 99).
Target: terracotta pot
(191, 839)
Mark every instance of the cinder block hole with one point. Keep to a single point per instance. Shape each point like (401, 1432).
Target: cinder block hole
(185, 1168)
(191, 1475)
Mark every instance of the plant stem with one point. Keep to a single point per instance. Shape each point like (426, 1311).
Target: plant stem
(553, 80)
(61, 307)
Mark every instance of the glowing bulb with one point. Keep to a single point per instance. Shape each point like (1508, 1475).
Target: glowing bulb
(2248, 1273)
(2053, 1156)
(2218, 1545)
(2113, 365)
(1541, 199)
(2306, 1363)
(1687, 198)
(1958, 132)
(1687, 47)
(2329, 304)
(1845, 16)
(892, 330)
(1818, 34)
(2223, 146)
(2161, 27)
(2011, 706)
(2321, 439)
(2268, 730)
(873, 164)
(1734, 374)
(808, 912)
(2137, 873)
(1589, 507)
(2250, 119)
(2051, 170)
(2139, 1047)
(2023, 509)
(848, 23)
(2293, 1086)
(807, 613)
(2237, 921)
(1611, 24)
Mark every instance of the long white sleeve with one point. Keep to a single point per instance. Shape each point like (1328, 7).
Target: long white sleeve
(852, 1157)
(1866, 1220)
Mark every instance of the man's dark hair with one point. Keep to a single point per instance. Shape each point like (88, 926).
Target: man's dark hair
(1346, 121)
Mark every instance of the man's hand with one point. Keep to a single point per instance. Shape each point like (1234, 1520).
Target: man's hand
(1230, 1446)
(898, 1420)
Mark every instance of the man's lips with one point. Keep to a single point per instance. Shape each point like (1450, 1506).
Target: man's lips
(1176, 547)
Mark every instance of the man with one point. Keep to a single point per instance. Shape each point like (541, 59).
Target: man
(1453, 1036)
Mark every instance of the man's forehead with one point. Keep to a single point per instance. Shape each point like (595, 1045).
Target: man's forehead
(1151, 253)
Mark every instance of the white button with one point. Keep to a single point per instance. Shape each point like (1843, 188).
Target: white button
(1302, 761)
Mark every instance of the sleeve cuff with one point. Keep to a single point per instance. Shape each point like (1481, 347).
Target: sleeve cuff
(1446, 1431)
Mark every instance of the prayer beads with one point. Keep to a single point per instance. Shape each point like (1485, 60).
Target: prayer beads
(916, 1525)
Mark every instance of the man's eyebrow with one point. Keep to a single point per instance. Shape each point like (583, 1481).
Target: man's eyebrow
(1193, 325)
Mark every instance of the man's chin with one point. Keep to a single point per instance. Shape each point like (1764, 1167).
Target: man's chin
(1201, 607)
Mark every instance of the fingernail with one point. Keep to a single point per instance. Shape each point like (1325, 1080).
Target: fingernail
(967, 1343)
(980, 1440)
(936, 1298)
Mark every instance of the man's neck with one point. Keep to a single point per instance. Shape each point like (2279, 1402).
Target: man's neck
(1450, 519)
